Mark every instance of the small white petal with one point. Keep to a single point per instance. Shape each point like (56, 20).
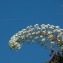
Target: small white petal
(44, 32)
(36, 37)
(43, 25)
(57, 27)
(32, 30)
(43, 28)
(36, 25)
(41, 36)
(33, 33)
(52, 42)
(43, 39)
(49, 32)
(48, 24)
(61, 29)
(37, 32)
(27, 27)
(51, 27)
(29, 34)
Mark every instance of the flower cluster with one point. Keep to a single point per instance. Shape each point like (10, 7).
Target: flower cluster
(46, 35)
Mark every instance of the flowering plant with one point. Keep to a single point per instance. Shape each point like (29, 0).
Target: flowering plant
(49, 36)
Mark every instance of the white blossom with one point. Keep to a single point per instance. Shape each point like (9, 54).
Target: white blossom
(37, 32)
(42, 34)
(48, 24)
(61, 30)
(36, 26)
(36, 38)
(58, 30)
(51, 27)
(43, 39)
(27, 27)
(43, 28)
(49, 32)
(29, 34)
(32, 30)
(33, 33)
(57, 27)
(42, 25)
(50, 36)
(15, 45)
(52, 42)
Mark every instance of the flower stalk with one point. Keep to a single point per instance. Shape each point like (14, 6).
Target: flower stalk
(49, 36)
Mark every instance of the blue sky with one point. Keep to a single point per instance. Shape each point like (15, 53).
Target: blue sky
(18, 14)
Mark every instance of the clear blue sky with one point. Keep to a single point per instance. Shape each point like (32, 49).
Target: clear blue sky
(18, 14)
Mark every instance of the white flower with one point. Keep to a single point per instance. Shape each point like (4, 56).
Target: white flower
(16, 35)
(33, 33)
(36, 38)
(59, 35)
(58, 40)
(52, 42)
(46, 26)
(20, 32)
(61, 30)
(44, 32)
(51, 27)
(14, 38)
(43, 39)
(54, 31)
(58, 30)
(28, 31)
(31, 26)
(29, 34)
(50, 36)
(43, 28)
(41, 36)
(23, 37)
(36, 26)
(32, 29)
(49, 32)
(57, 27)
(42, 25)
(27, 27)
(15, 45)
(23, 30)
(37, 32)
(39, 28)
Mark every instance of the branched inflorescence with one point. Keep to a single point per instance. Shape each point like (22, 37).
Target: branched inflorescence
(48, 35)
